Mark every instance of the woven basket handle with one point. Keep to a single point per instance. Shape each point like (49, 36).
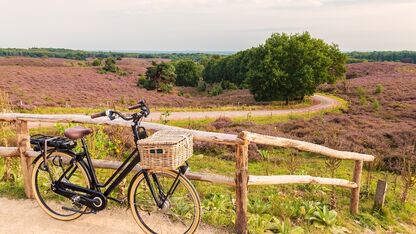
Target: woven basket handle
(188, 141)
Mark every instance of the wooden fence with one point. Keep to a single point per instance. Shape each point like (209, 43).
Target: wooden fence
(242, 178)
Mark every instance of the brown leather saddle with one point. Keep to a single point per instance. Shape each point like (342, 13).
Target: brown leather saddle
(77, 132)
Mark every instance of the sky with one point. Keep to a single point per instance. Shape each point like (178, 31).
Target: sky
(204, 25)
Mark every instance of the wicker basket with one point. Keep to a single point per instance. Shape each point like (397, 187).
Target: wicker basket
(166, 149)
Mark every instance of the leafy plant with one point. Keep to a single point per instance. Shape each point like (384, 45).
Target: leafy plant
(285, 227)
(266, 156)
(270, 224)
(323, 217)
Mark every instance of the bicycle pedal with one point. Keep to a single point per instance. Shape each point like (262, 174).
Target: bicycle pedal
(117, 200)
(73, 210)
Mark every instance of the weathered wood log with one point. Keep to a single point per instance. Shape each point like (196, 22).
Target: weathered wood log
(299, 179)
(241, 183)
(9, 152)
(380, 196)
(23, 141)
(306, 146)
(14, 152)
(220, 138)
(355, 192)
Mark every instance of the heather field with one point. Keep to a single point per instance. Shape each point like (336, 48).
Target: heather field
(380, 119)
(54, 82)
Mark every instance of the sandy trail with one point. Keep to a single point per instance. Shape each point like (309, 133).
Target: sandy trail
(25, 216)
(320, 102)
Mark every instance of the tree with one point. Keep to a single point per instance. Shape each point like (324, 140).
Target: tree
(110, 65)
(289, 67)
(160, 73)
(188, 72)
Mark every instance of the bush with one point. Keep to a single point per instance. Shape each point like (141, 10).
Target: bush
(379, 89)
(160, 74)
(188, 72)
(110, 66)
(216, 90)
(376, 105)
(202, 86)
(144, 83)
(165, 88)
(225, 84)
(96, 62)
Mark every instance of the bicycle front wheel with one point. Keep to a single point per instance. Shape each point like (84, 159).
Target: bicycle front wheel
(181, 211)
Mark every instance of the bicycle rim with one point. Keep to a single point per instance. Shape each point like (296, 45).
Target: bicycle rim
(53, 204)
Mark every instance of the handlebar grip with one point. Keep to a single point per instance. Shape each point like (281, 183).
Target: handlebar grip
(134, 106)
(97, 115)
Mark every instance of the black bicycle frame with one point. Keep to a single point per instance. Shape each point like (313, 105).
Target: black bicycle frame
(114, 180)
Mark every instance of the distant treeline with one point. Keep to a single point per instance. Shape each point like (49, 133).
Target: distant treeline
(82, 55)
(395, 56)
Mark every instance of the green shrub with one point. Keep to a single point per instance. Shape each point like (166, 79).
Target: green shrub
(225, 84)
(361, 91)
(376, 104)
(202, 86)
(96, 62)
(110, 66)
(143, 82)
(379, 89)
(216, 90)
(161, 76)
(165, 88)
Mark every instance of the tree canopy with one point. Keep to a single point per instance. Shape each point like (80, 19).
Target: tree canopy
(289, 67)
(188, 72)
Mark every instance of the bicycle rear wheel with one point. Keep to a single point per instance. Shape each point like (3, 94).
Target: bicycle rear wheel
(55, 205)
(181, 213)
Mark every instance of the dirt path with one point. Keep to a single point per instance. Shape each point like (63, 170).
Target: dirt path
(25, 216)
(320, 102)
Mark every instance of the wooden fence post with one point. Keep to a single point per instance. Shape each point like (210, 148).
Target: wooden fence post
(355, 192)
(241, 182)
(23, 141)
(380, 196)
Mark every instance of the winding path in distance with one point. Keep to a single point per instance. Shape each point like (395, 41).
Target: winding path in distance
(320, 102)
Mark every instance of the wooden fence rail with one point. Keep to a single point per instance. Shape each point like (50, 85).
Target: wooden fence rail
(242, 179)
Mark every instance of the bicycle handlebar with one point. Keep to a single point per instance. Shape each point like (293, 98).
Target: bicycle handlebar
(97, 115)
(112, 113)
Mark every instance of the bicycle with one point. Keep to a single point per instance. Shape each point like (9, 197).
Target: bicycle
(65, 183)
